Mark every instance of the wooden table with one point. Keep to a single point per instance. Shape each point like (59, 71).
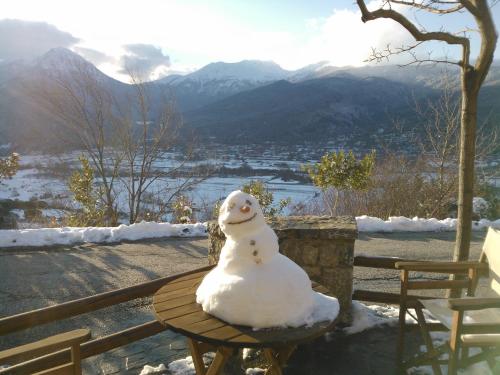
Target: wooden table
(175, 306)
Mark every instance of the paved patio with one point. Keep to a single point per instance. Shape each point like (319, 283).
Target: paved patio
(35, 278)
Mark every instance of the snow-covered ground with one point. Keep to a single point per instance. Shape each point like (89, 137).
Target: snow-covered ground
(143, 230)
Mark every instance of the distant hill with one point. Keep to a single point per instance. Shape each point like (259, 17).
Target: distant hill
(315, 109)
(249, 101)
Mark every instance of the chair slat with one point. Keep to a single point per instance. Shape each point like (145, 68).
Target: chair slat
(438, 284)
(45, 346)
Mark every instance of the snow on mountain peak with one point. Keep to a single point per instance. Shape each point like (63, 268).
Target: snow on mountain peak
(249, 70)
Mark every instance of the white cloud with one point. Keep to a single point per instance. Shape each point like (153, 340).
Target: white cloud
(196, 34)
(343, 39)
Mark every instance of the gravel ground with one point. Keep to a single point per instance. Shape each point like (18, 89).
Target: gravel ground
(32, 279)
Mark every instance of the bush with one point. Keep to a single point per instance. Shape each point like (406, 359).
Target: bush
(183, 210)
(9, 166)
(266, 198)
(81, 184)
(338, 172)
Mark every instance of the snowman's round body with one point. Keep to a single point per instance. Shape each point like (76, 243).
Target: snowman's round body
(253, 284)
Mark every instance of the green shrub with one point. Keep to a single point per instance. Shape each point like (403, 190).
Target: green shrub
(266, 198)
(81, 184)
(342, 172)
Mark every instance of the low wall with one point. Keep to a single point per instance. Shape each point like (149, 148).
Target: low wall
(323, 246)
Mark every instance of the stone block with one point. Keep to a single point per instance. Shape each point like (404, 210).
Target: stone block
(309, 254)
(314, 273)
(328, 255)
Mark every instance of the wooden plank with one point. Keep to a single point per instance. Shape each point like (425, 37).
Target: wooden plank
(205, 325)
(224, 333)
(386, 297)
(190, 284)
(45, 346)
(188, 319)
(158, 298)
(473, 303)
(83, 305)
(438, 284)
(164, 316)
(377, 262)
(177, 302)
(440, 267)
(88, 349)
(66, 369)
(197, 275)
(480, 328)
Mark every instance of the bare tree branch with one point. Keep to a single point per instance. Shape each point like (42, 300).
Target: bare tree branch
(428, 7)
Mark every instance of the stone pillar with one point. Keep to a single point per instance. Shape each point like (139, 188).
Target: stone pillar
(323, 246)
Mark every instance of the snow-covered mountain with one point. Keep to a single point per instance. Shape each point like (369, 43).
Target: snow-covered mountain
(219, 80)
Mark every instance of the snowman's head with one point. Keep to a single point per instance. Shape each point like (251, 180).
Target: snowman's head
(240, 213)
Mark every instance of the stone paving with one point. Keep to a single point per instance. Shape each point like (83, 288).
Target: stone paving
(35, 278)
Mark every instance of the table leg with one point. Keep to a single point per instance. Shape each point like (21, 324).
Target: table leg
(197, 356)
(221, 357)
(273, 362)
(285, 354)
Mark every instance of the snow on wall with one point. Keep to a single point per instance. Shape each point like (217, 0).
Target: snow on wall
(404, 224)
(144, 230)
(75, 235)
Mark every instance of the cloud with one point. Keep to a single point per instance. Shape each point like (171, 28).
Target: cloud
(26, 40)
(145, 60)
(94, 56)
(343, 39)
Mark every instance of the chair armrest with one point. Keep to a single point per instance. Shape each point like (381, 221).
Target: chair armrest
(45, 346)
(441, 267)
(464, 304)
(378, 261)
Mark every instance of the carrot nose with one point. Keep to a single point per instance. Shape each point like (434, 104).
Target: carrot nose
(245, 209)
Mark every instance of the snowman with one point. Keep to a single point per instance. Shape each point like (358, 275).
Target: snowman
(253, 284)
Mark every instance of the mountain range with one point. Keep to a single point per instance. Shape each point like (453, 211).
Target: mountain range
(250, 101)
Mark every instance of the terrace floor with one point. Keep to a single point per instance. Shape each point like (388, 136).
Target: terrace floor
(32, 279)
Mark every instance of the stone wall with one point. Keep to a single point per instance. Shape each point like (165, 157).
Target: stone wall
(323, 246)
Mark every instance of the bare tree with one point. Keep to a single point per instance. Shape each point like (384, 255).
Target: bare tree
(125, 134)
(84, 109)
(472, 78)
(146, 136)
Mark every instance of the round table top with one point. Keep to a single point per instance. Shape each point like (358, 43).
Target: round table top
(175, 306)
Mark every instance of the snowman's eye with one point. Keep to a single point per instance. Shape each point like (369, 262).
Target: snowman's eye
(248, 202)
(231, 206)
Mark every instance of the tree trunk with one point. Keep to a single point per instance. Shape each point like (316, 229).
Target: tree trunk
(468, 124)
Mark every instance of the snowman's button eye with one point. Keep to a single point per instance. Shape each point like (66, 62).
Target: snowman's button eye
(252, 242)
(248, 202)
(231, 206)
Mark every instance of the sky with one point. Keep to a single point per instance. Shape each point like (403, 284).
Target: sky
(162, 37)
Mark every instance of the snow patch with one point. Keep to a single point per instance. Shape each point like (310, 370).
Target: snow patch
(146, 370)
(404, 224)
(370, 316)
(255, 371)
(185, 366)
(75, 235)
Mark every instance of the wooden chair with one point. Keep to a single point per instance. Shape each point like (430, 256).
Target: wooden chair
(472, 322)
(18, 358)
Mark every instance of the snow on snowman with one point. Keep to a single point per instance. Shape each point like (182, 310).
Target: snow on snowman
(253, 284)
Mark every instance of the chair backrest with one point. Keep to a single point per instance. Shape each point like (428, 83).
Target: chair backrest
(491, 249)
